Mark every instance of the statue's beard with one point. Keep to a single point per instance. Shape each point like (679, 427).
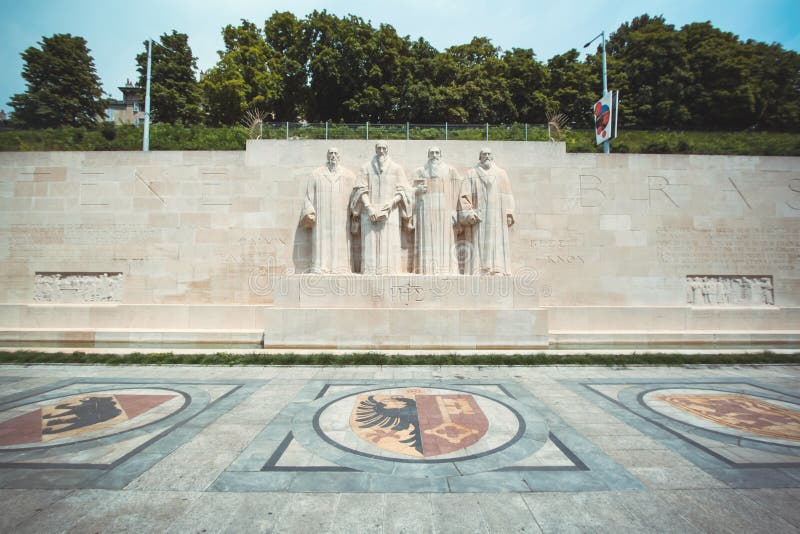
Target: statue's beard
(486, 164)
(382, 159)
(332, 164)
(434, 165)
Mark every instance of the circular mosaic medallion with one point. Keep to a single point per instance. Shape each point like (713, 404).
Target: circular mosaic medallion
(85, 416)
(414, 429)
(730, 413)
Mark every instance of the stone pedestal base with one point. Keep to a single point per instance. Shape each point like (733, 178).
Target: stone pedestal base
(406, 329)
(220, 327)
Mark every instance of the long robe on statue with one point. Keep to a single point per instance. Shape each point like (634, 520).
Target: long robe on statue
(327, 198)
(435, 220)
(486, 193)
(376, 187)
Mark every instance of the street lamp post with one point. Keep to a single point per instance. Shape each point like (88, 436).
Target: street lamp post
(146, 137)
(606, 144)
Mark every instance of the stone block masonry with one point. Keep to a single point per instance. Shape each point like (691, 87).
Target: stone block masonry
(606, 249)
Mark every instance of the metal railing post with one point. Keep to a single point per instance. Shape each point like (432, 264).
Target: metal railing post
(326, 130)
(445, 131)
(408, 131)
(367, 130)
(526, 131)
(287, 130)
(487, 131)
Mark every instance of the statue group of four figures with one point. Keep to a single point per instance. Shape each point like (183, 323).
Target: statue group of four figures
(457, 225)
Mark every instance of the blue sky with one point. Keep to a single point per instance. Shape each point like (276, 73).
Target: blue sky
(115, 29)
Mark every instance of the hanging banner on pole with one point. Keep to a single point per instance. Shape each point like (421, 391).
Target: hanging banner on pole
(605, 113)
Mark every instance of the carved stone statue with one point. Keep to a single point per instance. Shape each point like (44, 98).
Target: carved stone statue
(325, 212)
(436, 189)
(486, 209)
(381, 198)
(767, 295)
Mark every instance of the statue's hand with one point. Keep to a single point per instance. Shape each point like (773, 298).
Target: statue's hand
(383, 214)
(421, 189)
(371, 213)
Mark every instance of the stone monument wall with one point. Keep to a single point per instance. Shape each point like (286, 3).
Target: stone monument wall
(608, 243)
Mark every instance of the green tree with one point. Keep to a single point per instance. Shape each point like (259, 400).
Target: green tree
(388, 76)
(723, 91)
(63, 88)
(776, 80)
(424, 96)
(339, 65)
(573, 87)
(481, 82)
(285, 37)
(650, 69)
(174, 91)
(225, 94)
(242, 78)
(527, 85)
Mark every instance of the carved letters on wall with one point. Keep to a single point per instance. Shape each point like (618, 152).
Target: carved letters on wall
(78, 287)
(730, 290)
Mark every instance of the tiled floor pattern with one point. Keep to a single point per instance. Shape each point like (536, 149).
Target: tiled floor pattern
(400, 449)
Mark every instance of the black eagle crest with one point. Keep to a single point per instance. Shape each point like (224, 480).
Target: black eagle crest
(88, 411)
(371, 412)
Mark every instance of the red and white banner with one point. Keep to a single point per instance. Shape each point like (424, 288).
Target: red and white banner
(605, 113)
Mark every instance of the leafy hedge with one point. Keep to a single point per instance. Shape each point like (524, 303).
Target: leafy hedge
(222, 358)
(128, 137)
(177, 137)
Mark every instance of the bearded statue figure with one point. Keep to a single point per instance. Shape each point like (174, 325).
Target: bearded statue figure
(436, 189)
(325, 212)
(381, 200)
(486, 210)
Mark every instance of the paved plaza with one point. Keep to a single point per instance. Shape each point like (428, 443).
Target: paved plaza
(399, 449)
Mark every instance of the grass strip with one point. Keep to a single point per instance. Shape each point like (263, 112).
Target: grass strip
(222, 358)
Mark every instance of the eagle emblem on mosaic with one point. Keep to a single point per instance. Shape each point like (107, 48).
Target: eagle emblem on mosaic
(76, 416)
(419, 424)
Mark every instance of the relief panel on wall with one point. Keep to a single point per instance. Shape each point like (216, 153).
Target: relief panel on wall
(730, 290)
(77, 287)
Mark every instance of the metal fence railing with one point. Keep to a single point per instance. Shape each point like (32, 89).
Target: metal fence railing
(407, 131)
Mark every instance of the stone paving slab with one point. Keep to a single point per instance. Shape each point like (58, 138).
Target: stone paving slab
(399, 449)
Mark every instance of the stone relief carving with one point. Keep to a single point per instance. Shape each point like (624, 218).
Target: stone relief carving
(325, 212)
(730, 290)
(486, 211)
(436, 189)
(78, 287)
(382, 201)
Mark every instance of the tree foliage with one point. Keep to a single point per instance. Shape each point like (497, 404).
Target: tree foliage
(174, 90)
(324, 67)
(241, 79)
(63, 88)
(701, 77)
(343, 69)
